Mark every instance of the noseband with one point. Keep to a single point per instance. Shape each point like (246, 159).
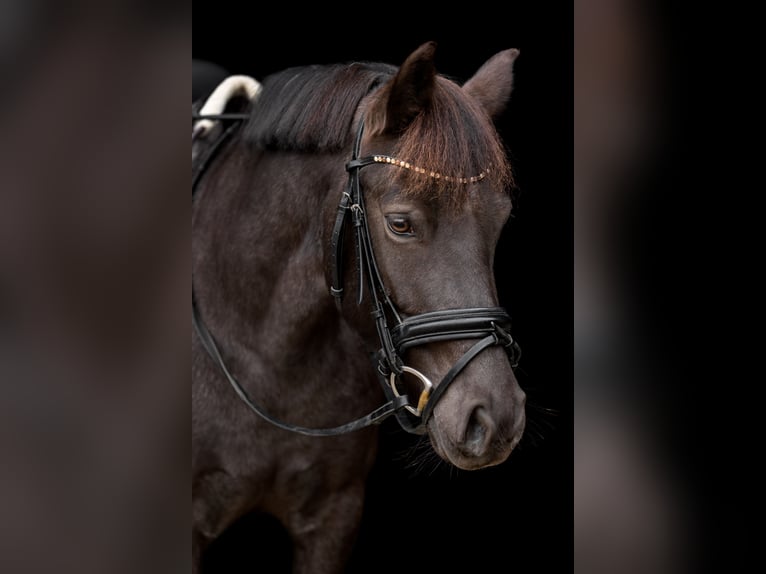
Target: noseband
(489, 326)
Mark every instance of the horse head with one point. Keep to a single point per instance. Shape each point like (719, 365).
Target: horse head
(436, 185)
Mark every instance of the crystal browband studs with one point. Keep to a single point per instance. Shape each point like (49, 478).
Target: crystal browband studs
(434, 174)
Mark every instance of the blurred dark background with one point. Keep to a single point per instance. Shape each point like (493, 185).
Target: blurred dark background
(517, 517)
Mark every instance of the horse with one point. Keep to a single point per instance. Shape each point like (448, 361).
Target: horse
(345, 219)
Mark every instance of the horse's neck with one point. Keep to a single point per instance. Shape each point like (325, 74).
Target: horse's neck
(258, 258)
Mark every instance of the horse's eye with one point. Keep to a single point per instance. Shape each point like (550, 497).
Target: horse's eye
(400, 225)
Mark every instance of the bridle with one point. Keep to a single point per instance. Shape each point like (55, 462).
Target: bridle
(490, 326)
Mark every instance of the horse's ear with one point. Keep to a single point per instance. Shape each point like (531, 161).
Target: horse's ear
(493, 83)
(406, 94)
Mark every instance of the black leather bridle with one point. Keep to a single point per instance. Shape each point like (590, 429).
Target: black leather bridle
(490, 326)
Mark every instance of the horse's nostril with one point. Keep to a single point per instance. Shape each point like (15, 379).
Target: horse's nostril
(478, 430)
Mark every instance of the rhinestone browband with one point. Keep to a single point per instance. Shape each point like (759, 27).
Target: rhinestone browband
(434, 174)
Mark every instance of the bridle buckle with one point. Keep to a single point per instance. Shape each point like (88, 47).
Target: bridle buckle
(511, 346)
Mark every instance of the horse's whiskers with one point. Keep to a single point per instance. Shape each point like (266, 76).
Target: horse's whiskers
(420, 458)
(539, 424)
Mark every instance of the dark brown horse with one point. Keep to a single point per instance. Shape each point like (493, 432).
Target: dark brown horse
(343, 242)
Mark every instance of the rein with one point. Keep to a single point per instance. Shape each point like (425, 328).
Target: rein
(491, 325)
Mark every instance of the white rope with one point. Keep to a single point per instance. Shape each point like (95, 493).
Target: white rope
(231, 87)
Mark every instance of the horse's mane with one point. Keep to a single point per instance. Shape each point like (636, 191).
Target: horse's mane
(312, 109)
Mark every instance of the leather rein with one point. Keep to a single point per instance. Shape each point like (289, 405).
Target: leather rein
(490, 325)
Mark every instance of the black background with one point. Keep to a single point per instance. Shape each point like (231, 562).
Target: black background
(516, 517)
